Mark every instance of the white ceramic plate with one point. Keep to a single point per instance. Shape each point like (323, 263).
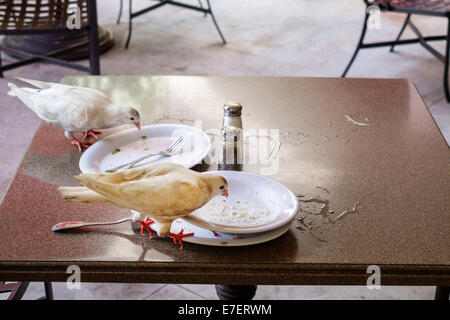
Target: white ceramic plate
(134, 144)
(210, 238)
(249, 195)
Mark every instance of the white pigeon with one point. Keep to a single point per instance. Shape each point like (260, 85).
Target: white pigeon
(162, 191)
(73, 108)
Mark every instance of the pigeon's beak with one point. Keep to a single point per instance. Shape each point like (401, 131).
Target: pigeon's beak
(225, 193)
(138, 125)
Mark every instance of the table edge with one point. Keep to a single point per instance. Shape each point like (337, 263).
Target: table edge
(213, 273)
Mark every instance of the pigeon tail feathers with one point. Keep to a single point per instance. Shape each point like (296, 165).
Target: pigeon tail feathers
(37, 83)
(81, 194)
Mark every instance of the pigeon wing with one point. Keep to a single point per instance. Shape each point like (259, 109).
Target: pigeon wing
(71, 108)
(157, 190)
(165, 196)
(108, 183)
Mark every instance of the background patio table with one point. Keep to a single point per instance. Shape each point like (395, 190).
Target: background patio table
(397, 166)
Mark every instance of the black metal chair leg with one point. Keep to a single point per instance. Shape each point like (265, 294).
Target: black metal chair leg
(442, 293)
(215, 23)
(130, 27)
(94, 51)
(361, 39)
(401, 30)
(21, 291)
(447, 57)
(120, 12)
(201, 6)
(225, 292)
(16, 290)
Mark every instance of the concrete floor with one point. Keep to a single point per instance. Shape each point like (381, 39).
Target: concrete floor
(270, 38)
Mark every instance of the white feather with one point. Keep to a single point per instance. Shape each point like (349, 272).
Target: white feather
(71, 108)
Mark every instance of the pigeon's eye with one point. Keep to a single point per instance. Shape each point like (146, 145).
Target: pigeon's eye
(221, 187)
(132, 119)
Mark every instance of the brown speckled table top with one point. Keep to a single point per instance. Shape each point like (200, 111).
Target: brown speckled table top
(397, 167)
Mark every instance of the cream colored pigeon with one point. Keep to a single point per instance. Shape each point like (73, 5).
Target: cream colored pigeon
(74, 109)
(162, 191)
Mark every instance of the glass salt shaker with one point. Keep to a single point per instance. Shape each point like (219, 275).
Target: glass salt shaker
(232, 137)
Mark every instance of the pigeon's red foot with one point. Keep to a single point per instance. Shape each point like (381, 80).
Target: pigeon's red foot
(93, 133)
(145, 225)
(178, 237)
(80, 144)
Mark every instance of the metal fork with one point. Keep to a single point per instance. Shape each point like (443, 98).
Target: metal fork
(78, 224)
(170, 151)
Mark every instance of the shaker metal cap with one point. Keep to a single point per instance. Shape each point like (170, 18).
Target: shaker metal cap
(232, 109)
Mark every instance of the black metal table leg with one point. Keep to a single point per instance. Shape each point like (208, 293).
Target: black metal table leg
(225, 292)
(215, 23)
(94, 50)
(442, 293)
(120, 12)
(161, 3)
(48, 291)
(361, 39)
(130, 25)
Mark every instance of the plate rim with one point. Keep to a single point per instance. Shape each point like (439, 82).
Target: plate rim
(248, 230)
(127, 131)
(258, 239)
